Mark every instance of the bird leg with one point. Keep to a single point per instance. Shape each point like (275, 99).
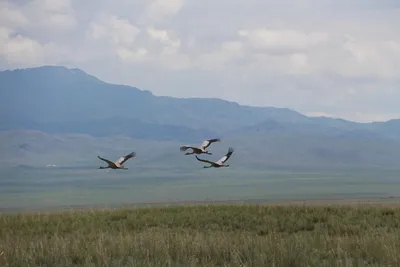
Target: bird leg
(101, 167)
(207, 166)
(205, 151)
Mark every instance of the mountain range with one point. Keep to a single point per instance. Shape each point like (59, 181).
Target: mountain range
(67, 115)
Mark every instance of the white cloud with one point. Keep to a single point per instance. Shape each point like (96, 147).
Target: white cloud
(131, 44)
(20, 23)
(128, 55)
(22, 50)
(170, 45)
(118, 31)
(4, 34)
(283, 41)
(221, 58)
(53, 15)
(159, 10)
(160, 35)
(19, 51)
(336, 57)
(54, 5)
(11, 17)
(319, 53)
(372, 58)
(61, 21)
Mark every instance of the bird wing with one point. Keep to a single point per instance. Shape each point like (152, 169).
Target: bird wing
(184, 148)
(106, 160)
(204, 160)
(208, 142)
(122, 160)
(226, 157)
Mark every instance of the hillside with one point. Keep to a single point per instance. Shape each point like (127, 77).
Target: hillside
(43, 98)
(82, 113)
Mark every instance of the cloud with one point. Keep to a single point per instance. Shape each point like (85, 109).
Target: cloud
(134, 45)
(118, 31)
(170, 45)
(18, 50)
(283, 41)
(159, 10)
(334, 57)
(20, 24)
(132, 55)
(54, 15)
(11, 17)
(321, 53)
(371, 58)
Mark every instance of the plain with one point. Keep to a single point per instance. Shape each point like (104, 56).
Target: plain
(205, 235)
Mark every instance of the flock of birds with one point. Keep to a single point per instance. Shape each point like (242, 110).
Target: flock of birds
(202, 149)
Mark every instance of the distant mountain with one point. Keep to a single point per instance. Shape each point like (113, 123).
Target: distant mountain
(115, 126)
(59, 103)
(57, 95)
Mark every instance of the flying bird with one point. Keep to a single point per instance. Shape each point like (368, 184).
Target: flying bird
(201, 149)
(219, 163)
(119, 163)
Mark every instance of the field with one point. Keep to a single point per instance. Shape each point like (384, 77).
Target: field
(55, 189)
(359, 227)
(205, 235)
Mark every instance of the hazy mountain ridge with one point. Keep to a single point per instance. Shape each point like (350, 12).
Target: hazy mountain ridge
(45, 96)
(81, 99)
(60, 102)
(116, 126)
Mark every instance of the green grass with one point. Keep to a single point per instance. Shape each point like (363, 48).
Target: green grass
(205, 235)
(27, 190)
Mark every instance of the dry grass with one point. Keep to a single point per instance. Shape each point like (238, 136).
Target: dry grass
(209, 235)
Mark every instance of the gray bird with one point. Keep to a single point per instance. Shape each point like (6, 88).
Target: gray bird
(219, 163)
(202, 149)
(119, 163)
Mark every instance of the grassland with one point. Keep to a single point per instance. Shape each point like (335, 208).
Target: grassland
(205, 235)
(53, 189)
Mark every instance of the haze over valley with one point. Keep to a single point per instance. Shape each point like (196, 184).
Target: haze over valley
(51, 137)
(50, 110)
(305, 92)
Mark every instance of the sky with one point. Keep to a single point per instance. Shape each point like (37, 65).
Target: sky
(337, 58)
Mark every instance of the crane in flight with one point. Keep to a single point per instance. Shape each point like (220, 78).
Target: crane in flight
(119, 164)
(219, 163)
(202, 149)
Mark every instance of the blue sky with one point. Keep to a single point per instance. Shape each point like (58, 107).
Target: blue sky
(333, 58)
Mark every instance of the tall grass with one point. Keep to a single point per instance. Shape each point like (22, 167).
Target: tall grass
(209, 235)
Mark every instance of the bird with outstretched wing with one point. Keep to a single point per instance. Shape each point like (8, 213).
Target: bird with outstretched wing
(220, 162)
(202, 149)
(119, 164)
